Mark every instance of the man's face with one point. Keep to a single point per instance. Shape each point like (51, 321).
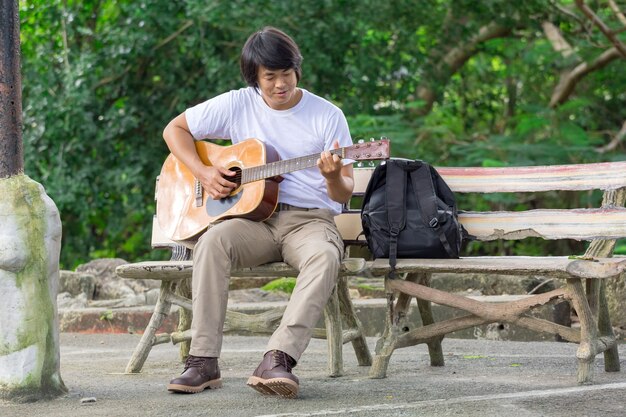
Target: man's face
(278, 87)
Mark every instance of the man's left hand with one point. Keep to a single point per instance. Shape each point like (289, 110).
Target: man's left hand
(330, 165)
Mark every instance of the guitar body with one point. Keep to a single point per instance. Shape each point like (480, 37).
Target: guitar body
(184, 211)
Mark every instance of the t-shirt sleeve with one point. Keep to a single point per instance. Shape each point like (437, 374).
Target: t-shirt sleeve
(210, 119)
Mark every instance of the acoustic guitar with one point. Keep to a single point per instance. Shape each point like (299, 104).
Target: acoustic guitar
(184, 210)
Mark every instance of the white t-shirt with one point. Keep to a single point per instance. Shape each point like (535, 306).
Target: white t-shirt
(310, 127)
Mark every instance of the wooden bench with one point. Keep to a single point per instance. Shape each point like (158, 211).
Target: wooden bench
(583, 276)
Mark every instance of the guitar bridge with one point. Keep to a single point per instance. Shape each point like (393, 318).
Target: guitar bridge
(198, 193)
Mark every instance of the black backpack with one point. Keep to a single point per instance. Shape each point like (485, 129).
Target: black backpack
(410, 212)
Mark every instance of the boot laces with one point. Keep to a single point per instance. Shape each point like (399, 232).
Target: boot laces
(194, 362)
(282, 359)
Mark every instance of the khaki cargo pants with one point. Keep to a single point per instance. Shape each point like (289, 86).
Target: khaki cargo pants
(306, 239)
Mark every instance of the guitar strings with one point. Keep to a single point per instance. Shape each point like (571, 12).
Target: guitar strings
(261, 172)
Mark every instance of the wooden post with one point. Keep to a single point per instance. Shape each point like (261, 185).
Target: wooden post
(11, 154)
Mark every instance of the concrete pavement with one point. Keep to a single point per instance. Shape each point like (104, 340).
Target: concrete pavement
(481, 378)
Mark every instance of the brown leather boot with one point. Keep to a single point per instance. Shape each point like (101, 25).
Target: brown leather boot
(273, 376)
(199, 374)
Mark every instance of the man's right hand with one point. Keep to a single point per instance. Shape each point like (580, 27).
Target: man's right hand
(215, 181)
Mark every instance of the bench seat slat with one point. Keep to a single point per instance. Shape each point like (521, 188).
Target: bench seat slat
(176, 270)
(553, 266)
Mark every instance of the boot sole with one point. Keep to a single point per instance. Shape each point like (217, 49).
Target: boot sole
(282, 387)
(187, 389)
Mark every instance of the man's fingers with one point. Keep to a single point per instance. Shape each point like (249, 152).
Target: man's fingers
(220, 192)
(222, 176)
(217, 183)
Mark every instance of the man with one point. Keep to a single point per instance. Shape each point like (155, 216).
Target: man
(301, 232)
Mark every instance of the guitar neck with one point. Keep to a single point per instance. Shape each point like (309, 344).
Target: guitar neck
(281, 167)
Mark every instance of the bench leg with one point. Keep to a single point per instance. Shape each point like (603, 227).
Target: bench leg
(588, 336)
(387, 342)
(425, 308)
(334, 335)
(605, 248)
(184, 317)
(361, 350)
(596, 333)
(611, 355)
(161, 310)
(397, 323)
(183, 289)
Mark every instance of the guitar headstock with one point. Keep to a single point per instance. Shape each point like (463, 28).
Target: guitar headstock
(368, 151)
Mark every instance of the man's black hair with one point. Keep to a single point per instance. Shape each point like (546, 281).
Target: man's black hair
(271, 48)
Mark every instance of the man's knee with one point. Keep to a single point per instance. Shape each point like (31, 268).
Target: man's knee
(326, 256)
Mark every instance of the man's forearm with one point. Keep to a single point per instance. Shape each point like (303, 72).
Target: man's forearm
(340, 189)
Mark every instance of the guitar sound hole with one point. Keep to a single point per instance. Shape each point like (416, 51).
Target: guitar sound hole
(236, 178)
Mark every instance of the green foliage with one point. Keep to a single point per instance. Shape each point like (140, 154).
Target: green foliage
(106, 316)
(620, 247)
(281, 284)
(102, 78)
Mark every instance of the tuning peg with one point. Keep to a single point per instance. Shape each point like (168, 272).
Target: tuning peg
(359, 164)
(371, 163)
(360, 141)
(383, 138)
(371, 139)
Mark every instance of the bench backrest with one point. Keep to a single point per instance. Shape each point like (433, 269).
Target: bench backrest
(605, 222)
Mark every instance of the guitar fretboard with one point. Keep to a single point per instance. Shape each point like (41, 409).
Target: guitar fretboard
(276, 168)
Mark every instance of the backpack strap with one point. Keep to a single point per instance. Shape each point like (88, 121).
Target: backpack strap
(424, 189)
(396, 208)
